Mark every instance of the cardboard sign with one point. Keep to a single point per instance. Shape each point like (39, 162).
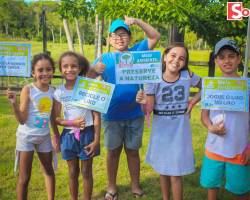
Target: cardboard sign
(138, 67)
(15, 59)
(231, 94)
(92, 94)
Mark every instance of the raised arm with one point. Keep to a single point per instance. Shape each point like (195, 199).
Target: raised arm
(20, 111)
(152, 34)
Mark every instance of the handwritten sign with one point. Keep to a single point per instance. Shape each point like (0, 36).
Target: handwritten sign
(231, 94)
(15, 59)
(92, 94)
(138, 67)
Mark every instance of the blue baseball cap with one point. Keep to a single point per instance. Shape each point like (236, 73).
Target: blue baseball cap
(226, 42)
(118, 23)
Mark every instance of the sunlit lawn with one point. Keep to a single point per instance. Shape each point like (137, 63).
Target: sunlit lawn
(149, 179)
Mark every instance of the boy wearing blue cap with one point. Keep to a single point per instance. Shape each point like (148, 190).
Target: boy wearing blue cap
(227, 150)
(123, 123)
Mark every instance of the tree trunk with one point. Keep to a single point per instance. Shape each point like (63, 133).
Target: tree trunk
(100, 33)
(38, 33)
(107, 40)
(96, 34)
(79, 35)
(53, 35)
(175, 35)
(6, 25)
(60, 34)
(211, 65)
(68, 35)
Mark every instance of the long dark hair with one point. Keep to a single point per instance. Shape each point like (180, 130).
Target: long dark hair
(167, 50)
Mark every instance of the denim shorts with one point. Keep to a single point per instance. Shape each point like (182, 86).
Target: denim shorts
(72, 148)
(127, 132)
(214, 172)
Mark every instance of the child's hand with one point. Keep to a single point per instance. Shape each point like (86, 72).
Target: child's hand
(56, 143)
(79, 122)
(130, 20)
(190, 107)
(218, 128)
(141, 97)
(91, 148)
(99, 66)
(246, 156)
(11, 96)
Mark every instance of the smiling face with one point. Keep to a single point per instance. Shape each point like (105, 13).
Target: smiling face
(43, 71)
(175, 59)
(119, 39)
(70, 67)
(228, 62)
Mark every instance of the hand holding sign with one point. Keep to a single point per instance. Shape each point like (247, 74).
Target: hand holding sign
(141, 97)
(99, 66)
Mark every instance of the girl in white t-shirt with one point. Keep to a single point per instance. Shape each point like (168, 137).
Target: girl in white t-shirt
(170, 150)
(80, 138)
(33, 133)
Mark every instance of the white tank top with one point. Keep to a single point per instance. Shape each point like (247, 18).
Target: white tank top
(39, 110)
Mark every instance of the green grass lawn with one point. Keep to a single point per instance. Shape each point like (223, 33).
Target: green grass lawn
(149, 179)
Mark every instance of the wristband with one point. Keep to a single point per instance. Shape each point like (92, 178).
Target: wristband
(70, 123)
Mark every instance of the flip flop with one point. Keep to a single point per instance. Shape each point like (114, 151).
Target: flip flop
(111, 196)
(139, 195)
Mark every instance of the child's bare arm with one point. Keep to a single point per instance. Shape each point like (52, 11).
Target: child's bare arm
(152, 34)
(92, 147)
(141, 97)
(217, 128)
(193, 101)
(97, 69)
(20, 111)
(78, 122)
(56, 143)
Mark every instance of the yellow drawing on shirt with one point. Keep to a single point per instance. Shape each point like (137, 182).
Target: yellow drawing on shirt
(44, 105)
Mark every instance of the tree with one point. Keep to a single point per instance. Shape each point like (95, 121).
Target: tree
(207, 18)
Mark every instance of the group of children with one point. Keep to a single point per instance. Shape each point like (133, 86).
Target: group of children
(170, 151)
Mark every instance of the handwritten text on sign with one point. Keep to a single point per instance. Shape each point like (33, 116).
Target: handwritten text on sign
(15, 59)
(92, 94)
(230, 94)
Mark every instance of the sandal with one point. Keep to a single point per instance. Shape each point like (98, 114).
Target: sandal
(111, 196)
(139, 195)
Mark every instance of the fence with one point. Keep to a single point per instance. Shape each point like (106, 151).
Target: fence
(16, 83)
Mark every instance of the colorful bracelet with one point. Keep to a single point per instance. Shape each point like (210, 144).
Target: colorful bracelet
(70, 123)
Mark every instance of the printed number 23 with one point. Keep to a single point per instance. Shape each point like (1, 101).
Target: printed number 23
(170, 94)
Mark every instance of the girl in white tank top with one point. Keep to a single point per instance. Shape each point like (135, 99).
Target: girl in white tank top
(33, 133)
